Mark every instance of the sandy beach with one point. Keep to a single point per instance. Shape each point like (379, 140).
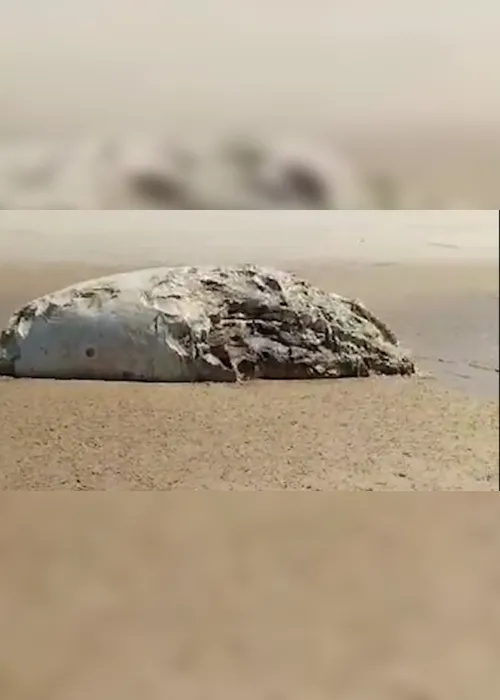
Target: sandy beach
(431, 432)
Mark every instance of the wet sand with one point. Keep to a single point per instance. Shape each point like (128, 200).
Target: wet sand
(438, 432)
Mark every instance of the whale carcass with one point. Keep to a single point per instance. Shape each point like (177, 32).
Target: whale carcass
(191, 324)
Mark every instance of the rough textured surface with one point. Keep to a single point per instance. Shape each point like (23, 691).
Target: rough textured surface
(198, 324)
(380, 433)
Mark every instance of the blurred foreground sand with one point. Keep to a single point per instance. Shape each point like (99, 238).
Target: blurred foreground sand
(195, 596)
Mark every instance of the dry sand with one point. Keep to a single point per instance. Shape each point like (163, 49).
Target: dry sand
(373, 435)
(423, 433)
(232, 597)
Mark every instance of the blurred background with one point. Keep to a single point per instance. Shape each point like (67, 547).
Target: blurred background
(109, 104)
(236, 597)
(254, 104)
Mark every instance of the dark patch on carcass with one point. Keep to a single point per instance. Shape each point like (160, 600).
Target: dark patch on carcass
(96, 296)
(214, 285)
(360, 309)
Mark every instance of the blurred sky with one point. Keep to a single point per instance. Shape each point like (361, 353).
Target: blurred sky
(193, 63)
